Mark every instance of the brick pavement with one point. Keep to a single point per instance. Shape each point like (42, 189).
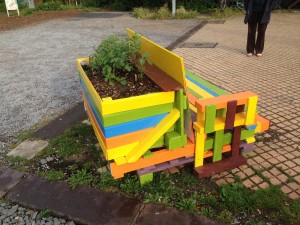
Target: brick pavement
(275, 77)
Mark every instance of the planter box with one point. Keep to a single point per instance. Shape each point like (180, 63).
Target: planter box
(127, 128)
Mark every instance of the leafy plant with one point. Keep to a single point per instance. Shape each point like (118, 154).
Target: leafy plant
(45, 213)
(114, 54)
(81, 177)
(187, 204)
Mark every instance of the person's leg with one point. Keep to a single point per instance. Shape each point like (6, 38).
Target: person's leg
(260, 41)
(251, 38)
(252, 27)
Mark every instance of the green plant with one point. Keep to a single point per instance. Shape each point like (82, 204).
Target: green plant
(114, 54)
(81, 177)
(45, 213)
(187, 204)
(52, 175)
(50, 6)
(27, 12)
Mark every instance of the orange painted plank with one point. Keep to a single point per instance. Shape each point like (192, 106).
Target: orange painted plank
(157, 157)
(209, 153)
(265, 124)
(192, 99)
(221, 101)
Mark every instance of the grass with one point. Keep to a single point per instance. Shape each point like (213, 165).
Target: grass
(80, 177)
(53, 175)
(45, 213)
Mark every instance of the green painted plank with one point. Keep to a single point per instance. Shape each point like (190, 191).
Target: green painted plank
(210, 116)
(194, 93)
(218, 145)
(207, 84)
(209, 143)
(126, 116)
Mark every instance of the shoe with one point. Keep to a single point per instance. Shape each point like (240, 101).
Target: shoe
(259, 54)
(249, 54)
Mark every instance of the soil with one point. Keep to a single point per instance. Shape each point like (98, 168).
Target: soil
(136, 84)
(14, 21)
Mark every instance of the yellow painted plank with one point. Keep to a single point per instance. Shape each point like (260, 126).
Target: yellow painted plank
(251, 110)
(153, 136)
(137, 102)
(92, 91)
(164, 59)
(250, 140)
(199, 150)
(198, 90)
(121, 151)
(120, 161)
(192, 107)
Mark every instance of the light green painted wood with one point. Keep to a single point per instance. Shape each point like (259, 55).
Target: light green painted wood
(218, 145)
(210, 116)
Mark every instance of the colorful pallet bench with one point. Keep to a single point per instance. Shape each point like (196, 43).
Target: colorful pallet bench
(189, 121)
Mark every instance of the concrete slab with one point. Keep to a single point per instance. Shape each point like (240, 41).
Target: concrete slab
(162, 215)
(28, 149)
(83, 205)
(8, 179)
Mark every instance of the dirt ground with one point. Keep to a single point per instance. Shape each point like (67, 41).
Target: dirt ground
(14, 21)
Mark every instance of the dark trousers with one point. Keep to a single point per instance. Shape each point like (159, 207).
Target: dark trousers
(253, 42)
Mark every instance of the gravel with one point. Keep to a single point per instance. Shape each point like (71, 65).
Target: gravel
(15, 214)
(38, 74)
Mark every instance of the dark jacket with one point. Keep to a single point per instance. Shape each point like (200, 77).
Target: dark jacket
(248, 5)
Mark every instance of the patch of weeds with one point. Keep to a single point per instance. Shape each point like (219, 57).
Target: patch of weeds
(253, 222)
(52, 175)
(71, 142)
(225, 216)
(236, 197)
(80, 177)
(290, 179)
(130, 184)
(24, 135)
(90, 166)
(45, 213)
(18, 163)
(208, 212)
(163, 13)
(73, 167)
(227, 12)
(187, 204)
(259, 173)
(106, 182)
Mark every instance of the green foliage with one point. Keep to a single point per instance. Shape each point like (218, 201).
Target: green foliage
(26, 12)
(106, 182)
(2, 7)
(130, 184)
(71, 142)
(53, 175)
(114, 54)
(187, 204)
(50, 6)
(236, 197)
(45, 213)
(163, 13)
(80, 177)
(227, 12)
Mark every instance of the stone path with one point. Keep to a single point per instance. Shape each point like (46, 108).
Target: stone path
(275, 77)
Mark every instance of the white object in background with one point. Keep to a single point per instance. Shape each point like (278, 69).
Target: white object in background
(30, 4)
(11, 5)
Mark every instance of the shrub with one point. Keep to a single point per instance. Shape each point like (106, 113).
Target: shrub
(50, 6)
(115, 54)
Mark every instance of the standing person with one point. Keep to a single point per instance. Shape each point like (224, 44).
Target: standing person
(258, 13)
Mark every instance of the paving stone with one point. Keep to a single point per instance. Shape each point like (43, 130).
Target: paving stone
(161, 215)
(294, 186)
(241, 175)
(266, 165)
(285, 189)
(248, 172)
(281, 158)
(275, 171)
(291, 172)
(264, 185)
(273, 161)
(83, 205)
(256, 179)
(297, 178)
(275, 181)
(28, 149)
(297, 169)
(294, 195)
(290, 164)
(221, 182)
(8, 179)
(248, 183)
(258, 159)
(283, 178)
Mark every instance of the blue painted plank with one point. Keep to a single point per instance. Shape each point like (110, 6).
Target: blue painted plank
(202, 86)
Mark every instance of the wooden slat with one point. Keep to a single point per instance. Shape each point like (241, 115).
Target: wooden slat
(230, 115)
